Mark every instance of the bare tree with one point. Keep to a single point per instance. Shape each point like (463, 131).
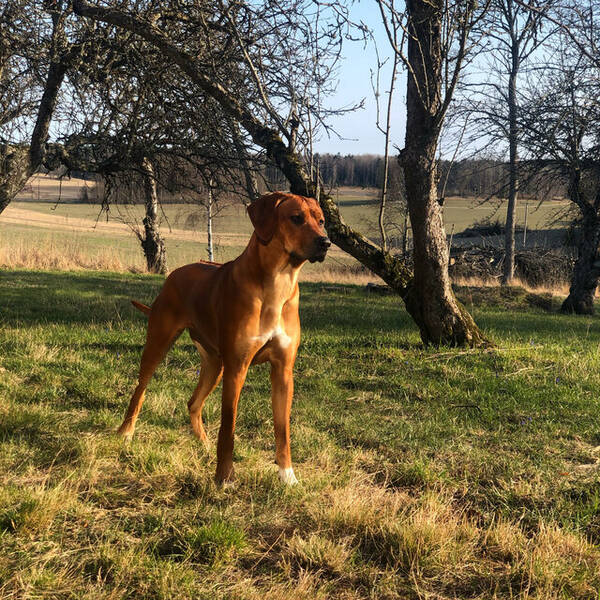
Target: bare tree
(514, 32)
(133, 116)
(433, 50)
(31, 76)
(561, 124)
(386, 130)
(265, 70)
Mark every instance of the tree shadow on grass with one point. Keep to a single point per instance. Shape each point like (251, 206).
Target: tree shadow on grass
(539, 327)
(42, 297)
(83, 297)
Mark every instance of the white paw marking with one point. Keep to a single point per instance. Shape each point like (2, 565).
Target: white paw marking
(287, 476)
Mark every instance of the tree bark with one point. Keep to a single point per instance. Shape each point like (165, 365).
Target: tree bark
(15, 170)
(586, 271)
(431, 301)
(209, 224)
(152, 241)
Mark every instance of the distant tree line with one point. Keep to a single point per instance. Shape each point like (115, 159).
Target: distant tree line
(362, 170)
(472, 177)
(468, 178)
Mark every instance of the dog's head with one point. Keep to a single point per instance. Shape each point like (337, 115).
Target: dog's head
(295, 221)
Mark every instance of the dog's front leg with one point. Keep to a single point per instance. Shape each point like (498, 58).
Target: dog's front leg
(282, 392)
(233, 379)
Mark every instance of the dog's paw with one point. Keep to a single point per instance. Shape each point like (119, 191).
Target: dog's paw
(125, 435)
(287, 476)
(226, 482)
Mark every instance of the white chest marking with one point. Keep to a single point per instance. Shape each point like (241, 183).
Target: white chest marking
(287, 476)
(278, 334)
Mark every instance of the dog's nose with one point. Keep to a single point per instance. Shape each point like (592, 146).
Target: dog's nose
(324, 242)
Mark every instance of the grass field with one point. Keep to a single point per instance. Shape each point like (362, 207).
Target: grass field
(432, 474)
(44, 229)
(359, 206)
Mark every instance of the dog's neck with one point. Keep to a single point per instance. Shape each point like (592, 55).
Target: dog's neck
(271, 264)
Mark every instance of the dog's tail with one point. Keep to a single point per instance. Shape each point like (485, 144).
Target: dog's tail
(142, 307)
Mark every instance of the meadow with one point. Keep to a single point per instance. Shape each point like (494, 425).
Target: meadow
(424, 473)
(44, 228)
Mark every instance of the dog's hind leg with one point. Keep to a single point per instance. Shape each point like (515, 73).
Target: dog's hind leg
(210, 375)
(163, 330)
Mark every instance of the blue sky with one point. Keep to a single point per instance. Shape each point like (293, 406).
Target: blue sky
(358, 128)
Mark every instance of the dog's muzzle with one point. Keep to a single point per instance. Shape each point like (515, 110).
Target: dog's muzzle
(322, 244)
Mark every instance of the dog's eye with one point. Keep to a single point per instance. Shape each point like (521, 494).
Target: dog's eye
(297, 219)
(321, 222)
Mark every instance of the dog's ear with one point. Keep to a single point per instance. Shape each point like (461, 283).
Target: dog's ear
(262, 213)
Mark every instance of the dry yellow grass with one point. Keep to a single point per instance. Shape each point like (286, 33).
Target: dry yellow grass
(65, 255)
(61, 256)
(557, 290)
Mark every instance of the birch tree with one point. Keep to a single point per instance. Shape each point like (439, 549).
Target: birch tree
(514, 31)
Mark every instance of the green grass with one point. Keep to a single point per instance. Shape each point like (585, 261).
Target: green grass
(425, 473)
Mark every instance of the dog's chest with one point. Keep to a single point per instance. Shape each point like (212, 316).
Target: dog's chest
(272, 324)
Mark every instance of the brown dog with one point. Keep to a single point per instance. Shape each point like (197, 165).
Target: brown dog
(241, 313)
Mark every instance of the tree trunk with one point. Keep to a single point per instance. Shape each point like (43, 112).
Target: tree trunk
(209, 231)
(19, 163)
(431, 301)
(15, 170)
(586, 272)
(152, 242)
(513, 184)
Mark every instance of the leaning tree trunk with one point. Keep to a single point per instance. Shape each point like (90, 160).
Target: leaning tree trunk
(152, 242)
(586, 272)
(431, 301)
(19, 163)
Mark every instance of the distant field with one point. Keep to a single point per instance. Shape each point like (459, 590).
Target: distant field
(45, 218)
(359, 206)
(436, 474)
